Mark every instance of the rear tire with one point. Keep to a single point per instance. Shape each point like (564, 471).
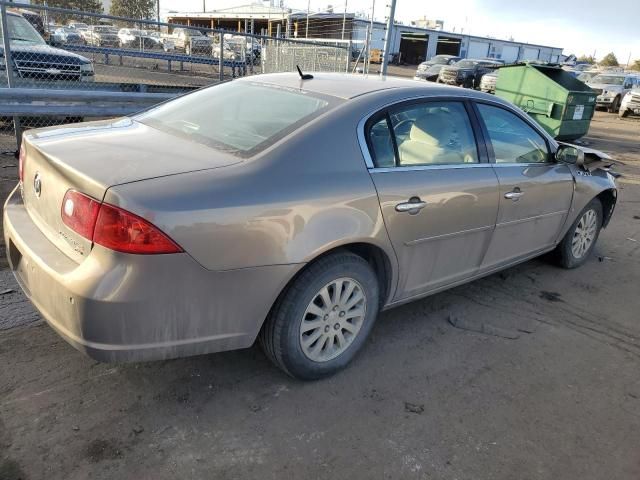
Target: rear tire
(309, 337)
(579, 241)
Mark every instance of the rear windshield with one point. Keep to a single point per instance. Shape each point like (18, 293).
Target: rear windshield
(237, 117)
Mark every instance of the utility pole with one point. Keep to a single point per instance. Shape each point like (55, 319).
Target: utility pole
(367, 59)
(204, 6)
(344, 18)
(306, 35)
(158, 12)
(387, 39)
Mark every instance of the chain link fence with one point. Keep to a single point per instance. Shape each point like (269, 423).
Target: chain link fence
(53, 48)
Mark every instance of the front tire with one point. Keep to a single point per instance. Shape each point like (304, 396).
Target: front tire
(579, 241)
(323, 318)
(615, 106)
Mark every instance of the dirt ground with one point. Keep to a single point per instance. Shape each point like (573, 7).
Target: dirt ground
(551, 391)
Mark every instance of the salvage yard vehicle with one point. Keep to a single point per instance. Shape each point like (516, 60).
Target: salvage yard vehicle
(612, 87)
(65, 36)
(135, 38)
(630, 104)
(467, 73)
(293, 215)
(488, 82)
(101, 36)
(430, 69)
(33, 59)
(191, 41)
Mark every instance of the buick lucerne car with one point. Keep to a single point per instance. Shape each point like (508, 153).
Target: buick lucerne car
(292, 215)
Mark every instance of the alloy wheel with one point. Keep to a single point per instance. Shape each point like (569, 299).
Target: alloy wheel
(332, 319)
(584, 234)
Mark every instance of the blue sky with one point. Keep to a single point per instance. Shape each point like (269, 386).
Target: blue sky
(580, 26)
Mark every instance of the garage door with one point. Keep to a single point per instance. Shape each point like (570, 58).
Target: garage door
(478, 50)
(510, 53)
(530, 54)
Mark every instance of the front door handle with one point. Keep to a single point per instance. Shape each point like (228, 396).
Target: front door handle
(413, 206)
(514, 195)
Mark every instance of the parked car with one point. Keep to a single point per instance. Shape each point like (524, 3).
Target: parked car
(102, 36)
(488, 82)
(135, 38)
(467, 73)
(292, 215)
(34, 59)
(65, 36)
(611, 88)
(162, 41)
(430, 69)
(78, 26)
(191, 41)
(630, 104)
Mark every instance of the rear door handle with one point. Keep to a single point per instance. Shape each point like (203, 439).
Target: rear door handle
(413, 206)
(514, 195)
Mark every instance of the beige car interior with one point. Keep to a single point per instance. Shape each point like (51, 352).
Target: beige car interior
(434, 139)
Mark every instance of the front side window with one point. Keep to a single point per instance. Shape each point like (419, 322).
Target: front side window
(512, 139)
(238, 117)
(430, 133)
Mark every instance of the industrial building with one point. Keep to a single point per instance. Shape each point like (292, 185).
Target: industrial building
(411, 44)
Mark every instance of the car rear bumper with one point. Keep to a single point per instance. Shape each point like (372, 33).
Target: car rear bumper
(120, 307)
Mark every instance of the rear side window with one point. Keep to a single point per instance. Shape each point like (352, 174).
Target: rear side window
(512, 139)
(238, 117)
(430, 133)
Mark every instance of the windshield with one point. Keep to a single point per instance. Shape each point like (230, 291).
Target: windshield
(435, 68)
(193, 33)
(608, 80)
(21, 31)
(438, 60)
(105, 30)
(237, 117)
(466, 63)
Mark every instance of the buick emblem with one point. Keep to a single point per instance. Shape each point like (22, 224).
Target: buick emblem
(37, 185)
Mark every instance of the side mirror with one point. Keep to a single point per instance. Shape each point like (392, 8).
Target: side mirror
(570, 154)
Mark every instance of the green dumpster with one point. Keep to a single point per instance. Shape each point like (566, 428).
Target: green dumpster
(559, 102)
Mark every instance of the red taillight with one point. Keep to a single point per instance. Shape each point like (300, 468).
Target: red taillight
(22, 157)
(125, 232)
(113, 227)
(79, 213)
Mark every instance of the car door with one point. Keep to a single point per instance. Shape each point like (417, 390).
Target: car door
(535, 191)
(438, 193)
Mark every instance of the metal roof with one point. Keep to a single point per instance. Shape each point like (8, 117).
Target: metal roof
(347, 86)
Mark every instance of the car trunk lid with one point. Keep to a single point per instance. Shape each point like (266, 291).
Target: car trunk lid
(92, 157)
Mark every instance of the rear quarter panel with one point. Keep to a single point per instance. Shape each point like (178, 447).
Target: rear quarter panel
(303, 196)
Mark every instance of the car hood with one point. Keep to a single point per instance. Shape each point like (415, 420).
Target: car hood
(45, 53)
(113, 152)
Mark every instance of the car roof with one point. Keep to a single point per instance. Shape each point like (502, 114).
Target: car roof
(348, 86)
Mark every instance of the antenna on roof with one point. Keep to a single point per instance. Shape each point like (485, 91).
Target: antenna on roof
(304, 76)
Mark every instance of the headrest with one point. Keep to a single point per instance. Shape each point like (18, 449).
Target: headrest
(433, 128)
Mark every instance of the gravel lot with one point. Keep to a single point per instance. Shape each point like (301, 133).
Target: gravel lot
(559, 399)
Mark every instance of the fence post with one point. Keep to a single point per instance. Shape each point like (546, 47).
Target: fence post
(221, 59)
(8, 61)
(349, 56)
